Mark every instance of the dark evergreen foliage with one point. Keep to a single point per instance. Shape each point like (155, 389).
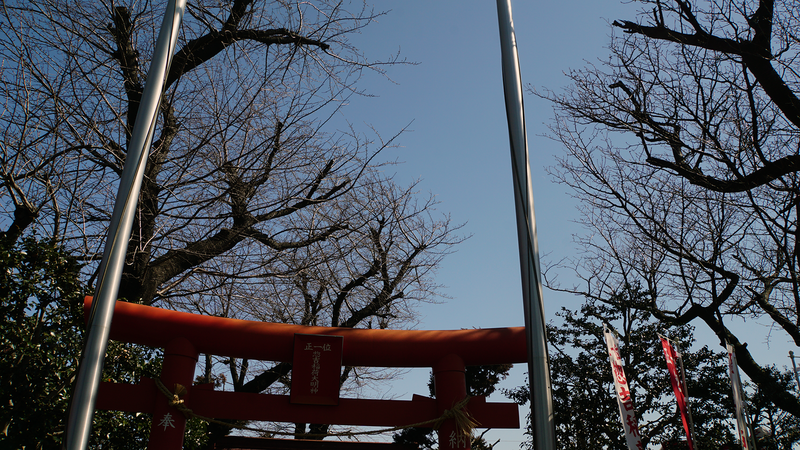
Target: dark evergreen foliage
(41, 335)
(586, 411)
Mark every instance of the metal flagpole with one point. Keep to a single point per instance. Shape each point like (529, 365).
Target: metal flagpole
(746, 438)
(794, 369)
(538, 361)
(90, 370)
(685, 388)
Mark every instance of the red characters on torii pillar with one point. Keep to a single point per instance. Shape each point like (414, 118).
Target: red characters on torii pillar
(184, 336)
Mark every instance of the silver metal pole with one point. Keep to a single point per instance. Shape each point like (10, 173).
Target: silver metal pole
(794, 369)
(542, 418)
(79, 424)
(743, 423)
(685, 390)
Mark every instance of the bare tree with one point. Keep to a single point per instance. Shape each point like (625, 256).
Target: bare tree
(251, 206)
(683, 147)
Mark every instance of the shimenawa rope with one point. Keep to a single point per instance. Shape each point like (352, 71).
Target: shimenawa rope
(464, 421)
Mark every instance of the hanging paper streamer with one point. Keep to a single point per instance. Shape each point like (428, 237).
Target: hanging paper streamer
(630, 426)
(745, 437)
(679, 387)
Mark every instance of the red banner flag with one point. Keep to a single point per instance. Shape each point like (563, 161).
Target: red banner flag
(679, 387)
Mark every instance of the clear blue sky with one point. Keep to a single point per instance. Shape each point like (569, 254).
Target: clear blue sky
(459, 144)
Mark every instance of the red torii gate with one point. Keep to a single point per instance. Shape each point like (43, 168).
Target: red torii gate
(185, 335)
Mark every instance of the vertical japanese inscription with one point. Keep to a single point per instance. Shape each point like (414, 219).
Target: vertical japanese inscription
(316, 368)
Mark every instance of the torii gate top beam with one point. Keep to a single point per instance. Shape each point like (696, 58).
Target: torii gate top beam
(274, 341)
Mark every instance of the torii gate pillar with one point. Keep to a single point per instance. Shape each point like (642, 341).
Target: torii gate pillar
(169, 424)
(450, 385)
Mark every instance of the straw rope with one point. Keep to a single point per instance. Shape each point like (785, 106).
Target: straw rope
(464, 421)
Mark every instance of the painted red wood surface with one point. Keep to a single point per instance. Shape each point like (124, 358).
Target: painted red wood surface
(277, 408)
(316, 368)
(446, 352)
(274, 341)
